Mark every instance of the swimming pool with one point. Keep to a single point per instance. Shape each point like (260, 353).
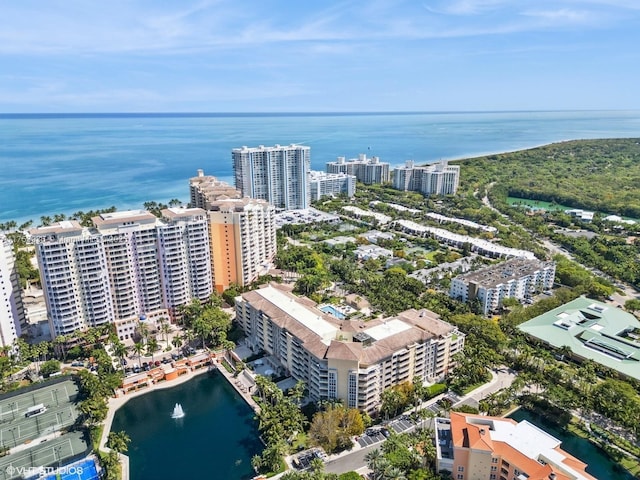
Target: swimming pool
(331, 310)
(83, 470)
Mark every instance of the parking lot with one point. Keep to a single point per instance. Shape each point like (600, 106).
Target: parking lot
(379, 433)
(302, 461)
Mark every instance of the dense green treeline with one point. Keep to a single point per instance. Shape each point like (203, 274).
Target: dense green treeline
(593, 174)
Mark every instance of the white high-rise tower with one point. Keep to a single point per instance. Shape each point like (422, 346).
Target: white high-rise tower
(279, 175)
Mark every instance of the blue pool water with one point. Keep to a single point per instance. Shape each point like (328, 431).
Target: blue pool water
(83, 470)
(331, 310)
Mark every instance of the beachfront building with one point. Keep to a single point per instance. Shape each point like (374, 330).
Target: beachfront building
(591, 330)
(518, 278)
(130, 266)
(278, 174)
(323, 184)
(474, 447)
(74, 276)
(242, 231)
(243, 240)
(11, 308)
(185, 256)
(204, 189)
(366, 170)
(354, 361)
(436, 179)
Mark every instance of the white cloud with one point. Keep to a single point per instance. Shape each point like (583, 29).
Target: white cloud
(563, 16)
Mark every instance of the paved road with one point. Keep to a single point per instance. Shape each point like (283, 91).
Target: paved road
(354, 460)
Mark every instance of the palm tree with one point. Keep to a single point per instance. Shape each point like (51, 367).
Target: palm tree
(138, 348)
(374, 459)
(317, 466)
(177, 341)
(152, 347)
(394, 473)
(165, 328)
(118, 441)
(120, 350)
(143, 330)
(60, 341)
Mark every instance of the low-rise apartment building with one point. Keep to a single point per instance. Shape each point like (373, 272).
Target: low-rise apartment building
(476, 447)
(517, 278)
(354, 361)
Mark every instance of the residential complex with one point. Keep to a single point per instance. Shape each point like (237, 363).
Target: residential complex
(518, 278)
(475, 447)
(130, 266)
(591, 330)
(11, 310)
(243, 240)
(366, 170)
(276, 174)
(242, 231)
(204, 189)
(436, 179)
(323, 184)
(354, 361)
(477, 245)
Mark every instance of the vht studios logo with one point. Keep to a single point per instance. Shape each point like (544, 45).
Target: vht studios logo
(27, 472)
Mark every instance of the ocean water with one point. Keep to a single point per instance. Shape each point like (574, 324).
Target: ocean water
(64, 163)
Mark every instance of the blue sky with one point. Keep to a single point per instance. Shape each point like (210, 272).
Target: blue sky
(318, 55)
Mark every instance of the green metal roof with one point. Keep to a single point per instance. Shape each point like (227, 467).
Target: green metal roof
(593, 330)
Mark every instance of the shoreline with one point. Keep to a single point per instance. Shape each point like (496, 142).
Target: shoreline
(116, 402)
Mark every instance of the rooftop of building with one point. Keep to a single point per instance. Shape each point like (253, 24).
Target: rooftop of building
(593, 330)
(380, 217)
(125, 216)
(66, 226)
(173, 213)
(505, 272)
(230, 205)
(327, 337)
(432, 167)
(522, 444)
(479, 243)
(276, 147)
(362, 159)
(319, 175)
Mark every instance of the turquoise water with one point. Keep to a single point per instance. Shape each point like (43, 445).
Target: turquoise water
(83, 470)
(598, 463)
(330, 309)
(216, 438)
(62, 164)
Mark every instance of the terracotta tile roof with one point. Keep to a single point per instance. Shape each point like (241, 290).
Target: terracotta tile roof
(468, 435)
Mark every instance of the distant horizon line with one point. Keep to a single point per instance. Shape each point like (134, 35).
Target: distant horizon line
(283, 114)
